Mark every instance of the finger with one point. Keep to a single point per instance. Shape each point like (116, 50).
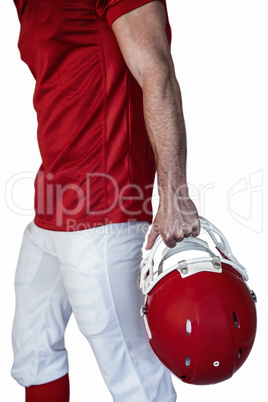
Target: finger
(151, 238)
(186, 231)
(170, 239)
(191, 227)
(171, 242)
(195, 230)
(181, 230)
(187, 234)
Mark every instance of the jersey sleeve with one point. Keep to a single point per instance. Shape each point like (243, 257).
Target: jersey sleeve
(20, 5)
(113, 9)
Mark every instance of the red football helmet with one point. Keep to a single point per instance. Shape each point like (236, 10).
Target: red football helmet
(199, 313)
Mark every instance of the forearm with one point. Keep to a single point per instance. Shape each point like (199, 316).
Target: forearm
(166, 129)
(141, 35)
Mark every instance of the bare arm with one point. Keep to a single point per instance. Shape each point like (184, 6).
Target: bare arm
(142, 39)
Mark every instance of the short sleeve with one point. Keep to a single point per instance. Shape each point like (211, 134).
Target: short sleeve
(113, 9)
(20, 6)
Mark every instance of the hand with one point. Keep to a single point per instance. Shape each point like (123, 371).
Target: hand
(174, 221)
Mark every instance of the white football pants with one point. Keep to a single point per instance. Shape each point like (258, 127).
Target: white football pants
(92, 273)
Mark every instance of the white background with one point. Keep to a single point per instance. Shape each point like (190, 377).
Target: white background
(220, 53)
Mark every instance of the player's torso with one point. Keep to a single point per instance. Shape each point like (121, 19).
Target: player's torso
(91, 130)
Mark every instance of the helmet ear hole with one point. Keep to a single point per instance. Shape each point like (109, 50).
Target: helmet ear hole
(187, 361)
(240, 353)
(188, 326)
(236, 321)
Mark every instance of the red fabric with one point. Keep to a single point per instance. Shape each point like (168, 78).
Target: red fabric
(20, 5)
(97, 162)
(113, 9)
(55, 391)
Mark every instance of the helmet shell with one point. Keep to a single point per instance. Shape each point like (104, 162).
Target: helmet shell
(203, 326)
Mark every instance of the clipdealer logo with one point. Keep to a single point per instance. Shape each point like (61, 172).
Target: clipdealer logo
(54, 198)
(244, 198)
(245, 201)
(18, 189)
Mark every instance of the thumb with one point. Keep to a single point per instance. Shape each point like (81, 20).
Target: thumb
(151, 238)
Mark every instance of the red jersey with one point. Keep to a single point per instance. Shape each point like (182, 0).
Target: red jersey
(97, 162)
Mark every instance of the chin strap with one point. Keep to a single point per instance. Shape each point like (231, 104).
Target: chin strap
(210, 263)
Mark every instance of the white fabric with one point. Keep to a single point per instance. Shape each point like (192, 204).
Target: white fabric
(92, 273)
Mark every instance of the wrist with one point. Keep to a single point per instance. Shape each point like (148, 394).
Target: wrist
(171, 194)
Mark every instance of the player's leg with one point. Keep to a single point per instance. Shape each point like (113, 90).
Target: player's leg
(100, 269)
(132, 370)
(42, 313)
